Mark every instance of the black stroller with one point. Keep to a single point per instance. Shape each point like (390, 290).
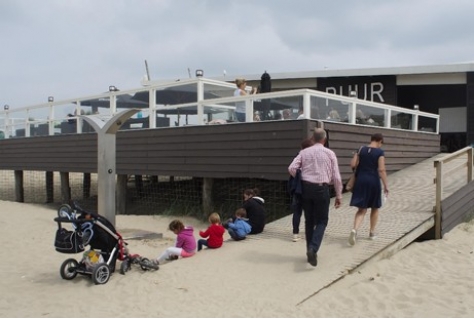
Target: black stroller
(106, 244)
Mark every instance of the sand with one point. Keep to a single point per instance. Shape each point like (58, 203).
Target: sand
(426, 279)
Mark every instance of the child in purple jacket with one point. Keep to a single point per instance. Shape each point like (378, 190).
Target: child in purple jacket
(185, 243)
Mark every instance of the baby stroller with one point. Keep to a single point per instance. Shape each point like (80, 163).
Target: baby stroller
(106, 245)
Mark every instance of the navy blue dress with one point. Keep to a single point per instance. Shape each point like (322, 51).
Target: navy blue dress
(367, 189)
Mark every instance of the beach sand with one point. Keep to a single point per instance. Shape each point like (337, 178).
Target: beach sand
(426, 279)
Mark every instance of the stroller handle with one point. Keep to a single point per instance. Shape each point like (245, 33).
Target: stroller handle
(75, 221)
(78, 208)
(62, 220)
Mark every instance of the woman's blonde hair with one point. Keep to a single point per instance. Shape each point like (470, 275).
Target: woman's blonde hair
(214, 218)
(240, 81)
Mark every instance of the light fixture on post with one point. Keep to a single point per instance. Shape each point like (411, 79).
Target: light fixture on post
(113, 88)
(199, 73)
(353, 93)
(6, 107)
(50, 99)
(416, 107)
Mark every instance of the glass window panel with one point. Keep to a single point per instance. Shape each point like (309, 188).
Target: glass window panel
(401, 120)
(426, 124)
(369, 115)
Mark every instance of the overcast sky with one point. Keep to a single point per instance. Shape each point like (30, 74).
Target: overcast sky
(72, 48)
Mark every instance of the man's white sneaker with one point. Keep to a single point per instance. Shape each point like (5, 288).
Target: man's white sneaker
(296, 237)
(352, 237)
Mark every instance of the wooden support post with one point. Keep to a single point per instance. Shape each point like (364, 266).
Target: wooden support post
(121, 196)
(207, 205)
(438, 196)
(65, 187)
(469, 165)
(19, 190)
(49, 187)
(139, 185)
(86, 186)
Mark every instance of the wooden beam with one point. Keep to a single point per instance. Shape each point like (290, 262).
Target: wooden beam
(19, 190)
(49, 187)
(86, 185)
(207, 204)
(121, 197)
(65, 187)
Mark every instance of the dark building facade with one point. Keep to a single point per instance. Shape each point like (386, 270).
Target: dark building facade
(447, 90)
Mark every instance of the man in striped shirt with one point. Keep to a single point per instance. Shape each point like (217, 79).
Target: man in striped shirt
(319, 169)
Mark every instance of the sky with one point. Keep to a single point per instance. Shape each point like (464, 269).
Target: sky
(74, 48)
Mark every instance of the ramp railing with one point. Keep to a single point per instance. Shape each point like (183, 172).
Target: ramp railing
(460, 160)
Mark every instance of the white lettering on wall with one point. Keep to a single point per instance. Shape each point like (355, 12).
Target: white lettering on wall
(332, 91)
(376, 92)
(369, 90)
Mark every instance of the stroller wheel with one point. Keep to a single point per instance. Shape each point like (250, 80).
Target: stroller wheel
(101, 274)
(64, 211)
(125, 266)
(69, 269)
(146, 264)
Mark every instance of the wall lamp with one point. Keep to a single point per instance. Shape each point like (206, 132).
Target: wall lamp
(199, 73)
(6, 107)
(416, 107)
(353, 93)
(50, 98)
(113, 88)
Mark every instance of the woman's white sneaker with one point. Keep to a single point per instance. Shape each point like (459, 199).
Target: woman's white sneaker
(352, 237)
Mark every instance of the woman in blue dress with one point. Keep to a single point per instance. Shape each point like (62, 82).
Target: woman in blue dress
(367, 193)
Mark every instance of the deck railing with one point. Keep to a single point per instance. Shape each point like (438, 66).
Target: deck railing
(464, 160)
(202, 101)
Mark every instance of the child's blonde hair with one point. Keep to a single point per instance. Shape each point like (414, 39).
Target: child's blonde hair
(176, 225)
(214, 218)
(241, 212)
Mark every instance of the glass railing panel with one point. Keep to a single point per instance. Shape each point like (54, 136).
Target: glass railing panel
(427, 124)
(219, 114)
(178, 116)
(329, 109)
(369, 115)
(14, 124)
(284, 108)
(213, 91)
(319, 109)
(401, 120)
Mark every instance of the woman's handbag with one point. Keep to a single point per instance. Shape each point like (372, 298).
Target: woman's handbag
(351, 182)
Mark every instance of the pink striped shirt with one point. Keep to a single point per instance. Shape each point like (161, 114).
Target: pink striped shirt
(318, 164)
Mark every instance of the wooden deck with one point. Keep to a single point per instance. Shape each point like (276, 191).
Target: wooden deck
(407, 214)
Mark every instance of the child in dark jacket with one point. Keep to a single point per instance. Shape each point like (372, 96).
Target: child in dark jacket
(215, 232)
(239, 228)
(255, 209)
(185, 243)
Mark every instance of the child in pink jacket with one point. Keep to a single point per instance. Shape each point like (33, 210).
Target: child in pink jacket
(185, 243)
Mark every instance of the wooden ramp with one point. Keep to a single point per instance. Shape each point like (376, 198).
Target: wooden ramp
(407, 214)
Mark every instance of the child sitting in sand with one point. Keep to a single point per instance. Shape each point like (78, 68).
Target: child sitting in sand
(185, 243)
(215, 232)
(238, 228)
